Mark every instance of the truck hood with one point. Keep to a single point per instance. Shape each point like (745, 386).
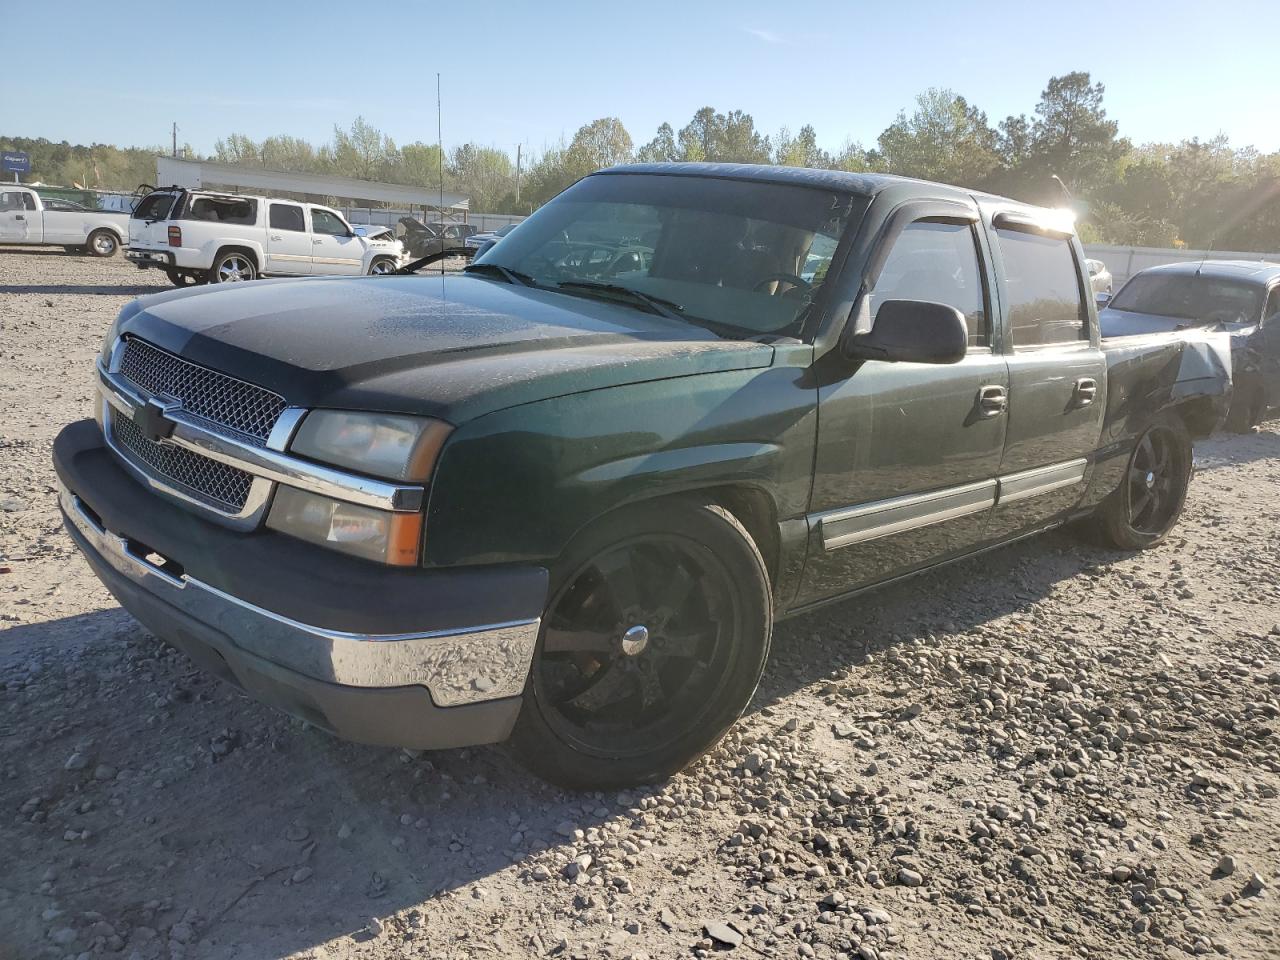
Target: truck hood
(1126, 323)
(448, 347)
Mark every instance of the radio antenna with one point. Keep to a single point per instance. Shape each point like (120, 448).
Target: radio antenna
(440, 146)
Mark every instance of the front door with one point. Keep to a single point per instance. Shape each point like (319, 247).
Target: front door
(908, 453)
(288, 242)
(1269, 337)
(15, 218)
(334, 246)
(1057, 377)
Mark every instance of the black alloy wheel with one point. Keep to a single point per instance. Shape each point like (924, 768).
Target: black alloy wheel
(652, 643)
(635, 648)
(1153, 490)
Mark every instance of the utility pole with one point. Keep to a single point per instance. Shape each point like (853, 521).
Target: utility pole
(440, 144)
(175, 138)
(518, 146)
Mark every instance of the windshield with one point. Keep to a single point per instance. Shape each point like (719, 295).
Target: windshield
(745, 257)
(1191, 297)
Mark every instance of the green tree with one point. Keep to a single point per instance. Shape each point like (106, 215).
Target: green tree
(945, 139)
(802, 150)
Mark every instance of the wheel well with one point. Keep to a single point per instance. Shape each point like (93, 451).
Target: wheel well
(752, 507)
(755, 510)
(1198, 414)
(247, 251)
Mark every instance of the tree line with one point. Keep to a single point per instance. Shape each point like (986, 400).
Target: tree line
(1194, 193)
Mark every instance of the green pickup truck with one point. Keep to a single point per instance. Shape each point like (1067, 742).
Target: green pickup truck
(564, 497)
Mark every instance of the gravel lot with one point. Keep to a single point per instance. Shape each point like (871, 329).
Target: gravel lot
(1052, 751)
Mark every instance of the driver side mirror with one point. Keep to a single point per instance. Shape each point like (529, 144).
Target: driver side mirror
(911, 331)
(358, 231)
(1101, 298)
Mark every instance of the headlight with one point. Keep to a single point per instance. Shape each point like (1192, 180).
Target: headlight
(386, 445)
(391, 446)
(362, 531)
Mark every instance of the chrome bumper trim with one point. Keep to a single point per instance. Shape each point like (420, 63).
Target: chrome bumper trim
(264, 462)
(470, 665)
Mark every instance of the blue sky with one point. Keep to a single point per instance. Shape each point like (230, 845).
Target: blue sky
(533, 72)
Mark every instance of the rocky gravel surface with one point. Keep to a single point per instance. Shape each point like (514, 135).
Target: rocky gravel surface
(1051, 751)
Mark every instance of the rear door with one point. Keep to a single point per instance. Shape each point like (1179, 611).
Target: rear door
(334, 246)
(289, 246)
(149, 222)
(1057, 372)
(905, 471)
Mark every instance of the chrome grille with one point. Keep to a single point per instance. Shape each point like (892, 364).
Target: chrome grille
(247, 409)
(221, 486)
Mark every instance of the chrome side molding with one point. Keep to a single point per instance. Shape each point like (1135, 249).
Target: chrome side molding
(884, 518)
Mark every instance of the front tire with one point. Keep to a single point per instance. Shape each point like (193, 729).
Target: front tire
(102, 243)
(382, 266)
(1246, 412)
(233, 267)
(1147, 504)
(652, 645)
(180, 278)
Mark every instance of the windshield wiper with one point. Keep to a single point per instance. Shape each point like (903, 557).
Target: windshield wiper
(513, 277)
(666, 308)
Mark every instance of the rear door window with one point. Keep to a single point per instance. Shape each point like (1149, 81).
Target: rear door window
(287, 216)
(154, 206)
(1042, 287)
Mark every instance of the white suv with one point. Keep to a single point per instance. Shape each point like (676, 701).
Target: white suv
(197, 236)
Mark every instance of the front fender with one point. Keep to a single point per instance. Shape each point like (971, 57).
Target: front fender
(517, 484)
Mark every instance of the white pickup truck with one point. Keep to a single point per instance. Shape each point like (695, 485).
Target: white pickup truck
(27, 218)
(198, 236)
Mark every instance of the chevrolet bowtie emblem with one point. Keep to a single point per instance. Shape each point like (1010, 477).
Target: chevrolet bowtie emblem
(151, 419)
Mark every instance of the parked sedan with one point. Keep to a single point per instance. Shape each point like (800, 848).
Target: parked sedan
(1241, 298)
(1099, 276)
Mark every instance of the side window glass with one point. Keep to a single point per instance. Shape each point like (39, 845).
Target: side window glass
(322, 221)
(936, 261)
(1043, 289)
(225, 210)
(286, 216)
(10, 201)
(1273, 308)
(28, 201)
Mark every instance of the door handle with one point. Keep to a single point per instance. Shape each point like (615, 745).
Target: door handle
(1086, 391)
(993, 400)
(317, 240)
(275, 237)
(19, 217)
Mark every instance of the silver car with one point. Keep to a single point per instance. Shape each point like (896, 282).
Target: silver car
(1099, 276)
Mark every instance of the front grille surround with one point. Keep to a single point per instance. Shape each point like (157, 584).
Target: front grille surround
(248, 410)
(221, 403)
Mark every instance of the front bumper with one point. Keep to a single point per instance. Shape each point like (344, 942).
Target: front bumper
(362, 671)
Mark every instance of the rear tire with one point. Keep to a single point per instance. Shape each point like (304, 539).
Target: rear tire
(102, 243)
(659, 623)
(233, 266)
(1147, 504)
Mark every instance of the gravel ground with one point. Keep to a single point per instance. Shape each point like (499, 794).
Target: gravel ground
(1053, 751)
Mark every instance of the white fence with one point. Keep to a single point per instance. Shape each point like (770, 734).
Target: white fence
(1124, 262)
(389, 217)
